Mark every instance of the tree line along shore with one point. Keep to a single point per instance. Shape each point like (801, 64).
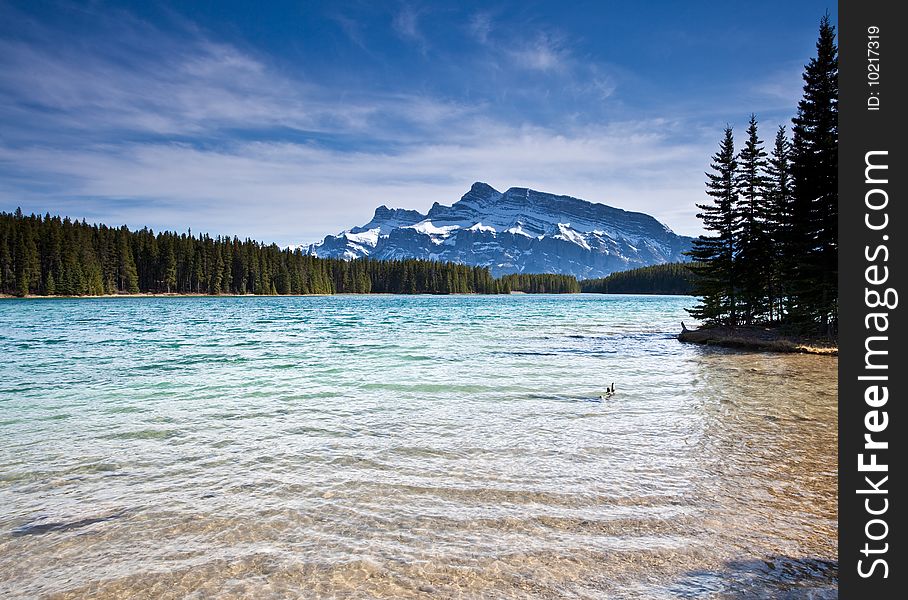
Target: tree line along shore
(56, 256)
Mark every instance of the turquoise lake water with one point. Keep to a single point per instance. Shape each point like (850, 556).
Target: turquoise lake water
(406, 447)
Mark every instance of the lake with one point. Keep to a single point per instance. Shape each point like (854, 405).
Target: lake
(406, 447)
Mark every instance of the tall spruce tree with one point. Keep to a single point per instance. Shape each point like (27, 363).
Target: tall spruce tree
(7, 274)
(716, 277)
(27, 261)
(815, 174)
(751, 212)
(128, 280)
(170, 268)
(778, 224)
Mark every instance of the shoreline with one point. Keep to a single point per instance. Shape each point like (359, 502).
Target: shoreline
(149, 295)
(767, 339)
(175, 295)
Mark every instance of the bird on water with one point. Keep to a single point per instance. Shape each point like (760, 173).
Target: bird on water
(609, 392)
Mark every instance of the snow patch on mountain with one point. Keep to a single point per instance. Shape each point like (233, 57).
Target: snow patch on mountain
(367, 238)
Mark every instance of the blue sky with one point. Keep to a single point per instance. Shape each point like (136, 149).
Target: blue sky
(284, 121)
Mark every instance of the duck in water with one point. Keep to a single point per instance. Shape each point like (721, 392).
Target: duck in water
(609, 392)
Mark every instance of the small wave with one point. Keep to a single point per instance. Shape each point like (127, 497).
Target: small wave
(144, 434)
(126, 409)
(56, 417)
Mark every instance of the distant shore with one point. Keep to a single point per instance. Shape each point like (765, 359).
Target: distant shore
(175, 295)
(759, 338)
(147, 295)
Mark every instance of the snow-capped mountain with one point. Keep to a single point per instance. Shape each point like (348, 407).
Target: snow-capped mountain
(518, 231)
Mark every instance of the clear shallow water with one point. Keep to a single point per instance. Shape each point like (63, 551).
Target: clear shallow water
(424, 447)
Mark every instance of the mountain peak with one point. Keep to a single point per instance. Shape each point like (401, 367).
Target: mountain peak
(480, 193)
(383, 212)
(387, 219)
(481, 187)
(518, 231)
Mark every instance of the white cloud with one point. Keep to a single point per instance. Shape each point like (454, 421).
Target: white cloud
(351, 28)
(296, 192)
(189, 86)
(600, 83)
(543, 53)
(782, 88)
(406, 25)
(481, 26)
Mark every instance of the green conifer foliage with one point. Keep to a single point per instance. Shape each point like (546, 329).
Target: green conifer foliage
(751, 213)
(771, 255)
(717, 280)
(815, 173)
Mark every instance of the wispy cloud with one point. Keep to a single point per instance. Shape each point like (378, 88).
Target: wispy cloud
(351, 28)
(145, 82)
(406, 25)
(190, 86)
(781, 87)
(544, 53)
(533, 50)
(480, 27)
(600, 83)
(526, 47)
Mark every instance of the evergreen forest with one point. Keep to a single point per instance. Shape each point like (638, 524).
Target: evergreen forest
(57, 256)
(669, 278)
(541, 283)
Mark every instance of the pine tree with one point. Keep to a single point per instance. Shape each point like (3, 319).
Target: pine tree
(751, 213)
(27, 271)
(50, 285)
(716, 280)
(126, 266)
(7, 277)
(73, 282)
(217, 273)
(815, 174)
(170, 268)
(778, 224)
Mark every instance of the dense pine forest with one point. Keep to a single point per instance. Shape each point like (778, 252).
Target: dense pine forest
(544, 283)
(670, 278)
(771, 254)
(57, 256)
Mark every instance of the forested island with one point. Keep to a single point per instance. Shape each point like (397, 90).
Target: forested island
(769, 262)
